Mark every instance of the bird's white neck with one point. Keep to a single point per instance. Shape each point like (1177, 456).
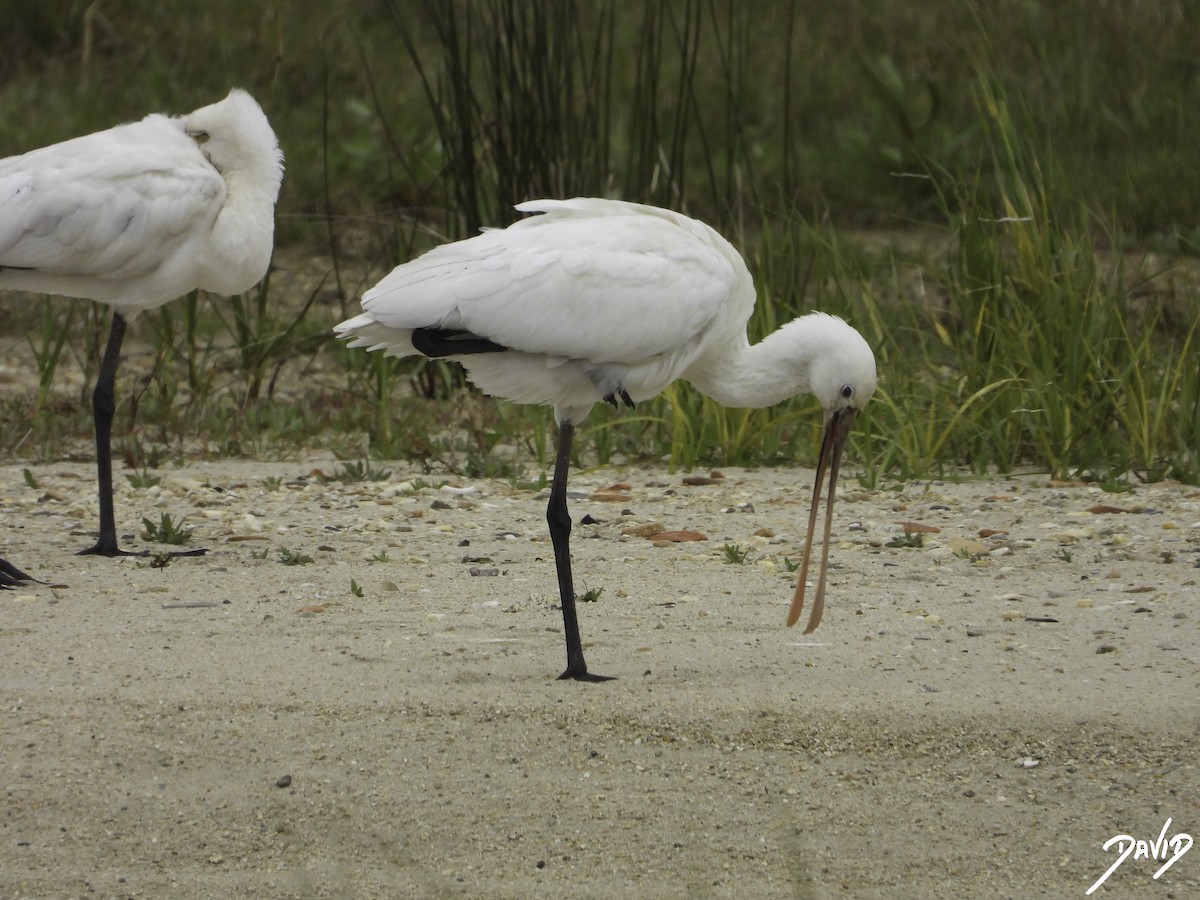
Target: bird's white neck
(243, 234)
(742, 374)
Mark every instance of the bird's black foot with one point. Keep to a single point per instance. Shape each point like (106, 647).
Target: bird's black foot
(110, 552)
(574, 673)
(101, 549)
(11, 576)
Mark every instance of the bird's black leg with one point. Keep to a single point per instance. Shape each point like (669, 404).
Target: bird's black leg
(559, 521)
(103, 407)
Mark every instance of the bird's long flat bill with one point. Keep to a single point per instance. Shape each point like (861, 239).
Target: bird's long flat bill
(833, 441)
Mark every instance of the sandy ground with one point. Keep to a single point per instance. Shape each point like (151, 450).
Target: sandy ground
(975, 716)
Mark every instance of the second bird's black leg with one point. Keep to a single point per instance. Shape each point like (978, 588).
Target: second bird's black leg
(103, 407)
(559, 521)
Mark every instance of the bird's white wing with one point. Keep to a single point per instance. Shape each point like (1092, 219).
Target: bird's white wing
(109, 204)
(620, 287)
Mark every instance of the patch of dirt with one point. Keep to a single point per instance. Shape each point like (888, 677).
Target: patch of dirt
(976, 715)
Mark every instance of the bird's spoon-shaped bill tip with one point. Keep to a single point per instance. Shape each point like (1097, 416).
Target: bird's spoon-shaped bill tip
(837, 427)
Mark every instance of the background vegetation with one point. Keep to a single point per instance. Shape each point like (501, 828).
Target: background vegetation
(1001, 196)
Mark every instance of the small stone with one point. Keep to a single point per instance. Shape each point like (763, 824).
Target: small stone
(677, 537)
(645, 529)
(609, 496)
(918, 528)
(967, 547)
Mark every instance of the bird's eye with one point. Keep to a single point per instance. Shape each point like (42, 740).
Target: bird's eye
(847, 391)
(199, 137)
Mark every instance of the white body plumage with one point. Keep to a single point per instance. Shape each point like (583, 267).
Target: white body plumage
(597, 296)
(142, 213)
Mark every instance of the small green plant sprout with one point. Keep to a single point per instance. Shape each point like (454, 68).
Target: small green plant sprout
(1064, 554)
(591, 595)
(272, 482)
(29, 479)
(144, 479)
(293, 557)
(381, 556)
(361, 470)
(734, 555)
(259, 554)
(968, 554)
(167, 531)
(906, 540)
(355, 588)
(789, 564)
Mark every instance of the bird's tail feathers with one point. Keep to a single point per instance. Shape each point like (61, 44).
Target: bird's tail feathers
(363, 331)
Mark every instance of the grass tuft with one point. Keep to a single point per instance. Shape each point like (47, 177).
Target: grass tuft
(166, 531)
(998, 197)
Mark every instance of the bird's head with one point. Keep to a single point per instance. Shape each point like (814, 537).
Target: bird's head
(842, 377)
(842, 373)
(235, 136)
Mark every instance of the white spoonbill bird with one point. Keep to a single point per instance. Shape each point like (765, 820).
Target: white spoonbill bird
(605, 300)
(139, 215)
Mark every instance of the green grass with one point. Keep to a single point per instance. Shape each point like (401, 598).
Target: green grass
(733, 554)
(143, 479)
(294, 557)
(361, 470)
(1000, 198)
(166, 531)
(907, 540)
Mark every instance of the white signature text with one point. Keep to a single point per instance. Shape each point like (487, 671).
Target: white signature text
(1178, 844)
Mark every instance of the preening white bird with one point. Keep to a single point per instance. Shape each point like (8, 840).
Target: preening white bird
(601, 300)
(136, 216)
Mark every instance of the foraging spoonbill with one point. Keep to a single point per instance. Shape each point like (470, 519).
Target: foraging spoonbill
(606, 300)
(136, 216)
